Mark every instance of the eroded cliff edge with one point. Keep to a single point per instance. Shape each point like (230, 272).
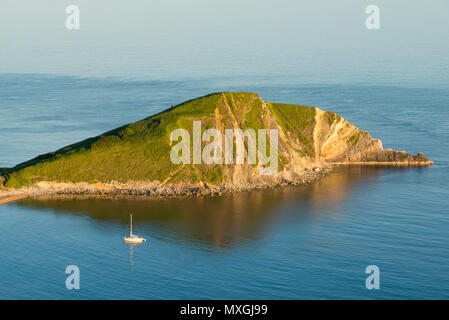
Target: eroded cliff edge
(135, 158)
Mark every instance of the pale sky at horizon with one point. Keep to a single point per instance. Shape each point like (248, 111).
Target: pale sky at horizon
(180, 39)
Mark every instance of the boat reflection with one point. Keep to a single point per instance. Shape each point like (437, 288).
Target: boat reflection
(131, 249)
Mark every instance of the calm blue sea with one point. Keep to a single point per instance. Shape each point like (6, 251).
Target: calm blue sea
(306, 242)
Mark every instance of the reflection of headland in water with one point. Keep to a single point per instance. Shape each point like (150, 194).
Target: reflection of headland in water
(224, 221)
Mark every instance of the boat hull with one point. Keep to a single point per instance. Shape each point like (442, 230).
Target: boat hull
(134, 241)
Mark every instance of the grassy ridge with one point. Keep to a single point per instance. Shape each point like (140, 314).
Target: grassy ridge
(297, 121)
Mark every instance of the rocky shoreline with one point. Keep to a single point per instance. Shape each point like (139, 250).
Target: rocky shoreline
(386, 163)
(45, 190)
(385, 157)
(152, 190)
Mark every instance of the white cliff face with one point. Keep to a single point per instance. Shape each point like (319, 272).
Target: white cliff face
(343, 141)
(333, 140)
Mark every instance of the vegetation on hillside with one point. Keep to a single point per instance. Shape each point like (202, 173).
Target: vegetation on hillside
(141, 151)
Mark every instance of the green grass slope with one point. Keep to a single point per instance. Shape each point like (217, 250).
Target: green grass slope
(141, 151)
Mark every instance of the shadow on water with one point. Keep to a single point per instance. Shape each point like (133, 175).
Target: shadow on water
(224, 221)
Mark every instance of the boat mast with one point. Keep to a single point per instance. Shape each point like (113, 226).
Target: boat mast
(131, 226)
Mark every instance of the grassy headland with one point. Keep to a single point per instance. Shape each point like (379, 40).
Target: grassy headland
(140, 151)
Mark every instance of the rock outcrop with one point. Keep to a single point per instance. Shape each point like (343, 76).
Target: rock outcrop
(343, 143)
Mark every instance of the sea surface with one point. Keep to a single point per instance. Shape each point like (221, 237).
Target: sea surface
(304, 242)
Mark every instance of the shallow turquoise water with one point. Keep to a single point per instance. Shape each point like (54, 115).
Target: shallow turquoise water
(293, 243)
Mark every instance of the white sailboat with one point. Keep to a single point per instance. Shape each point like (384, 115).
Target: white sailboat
(132, 237)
